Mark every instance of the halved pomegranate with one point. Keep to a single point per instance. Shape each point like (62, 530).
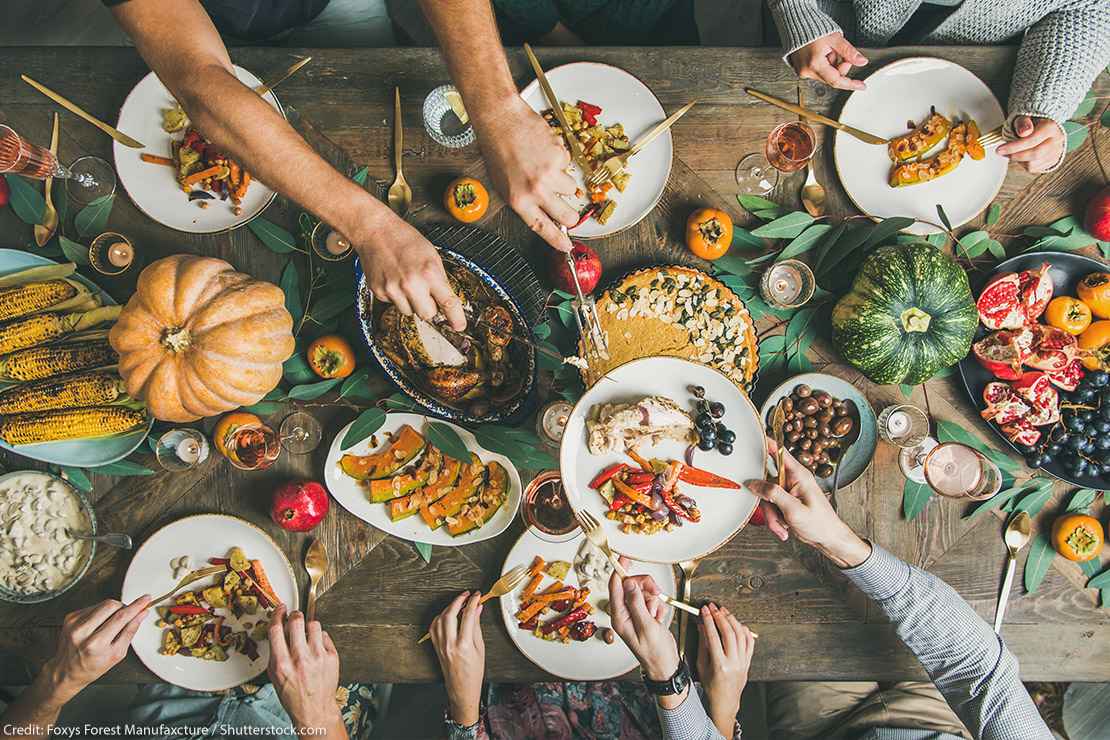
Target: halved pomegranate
(1021, 432)
(1000, 305)
(1068, 378)
(1041, 416)
(1005, 412)
(1035, 291)
(996, 392)
(1002, 352)
(1036, 389)
(1053, 349)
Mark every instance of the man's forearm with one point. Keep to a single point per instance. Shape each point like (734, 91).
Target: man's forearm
(35, 710)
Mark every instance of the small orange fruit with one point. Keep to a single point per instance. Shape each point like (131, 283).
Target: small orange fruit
(1077, 537)
(1094, 346)
(466, 199)
(709, 233)
(1067, 313)
(224, 434)
(1094, 290)
(331, 356)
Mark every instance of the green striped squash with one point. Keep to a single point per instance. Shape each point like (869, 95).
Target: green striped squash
(908, 315)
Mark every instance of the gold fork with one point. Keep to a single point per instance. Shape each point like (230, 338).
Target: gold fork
(613, 166)
(193, 577)
(504, 585)
(992, 137)
(596, 534)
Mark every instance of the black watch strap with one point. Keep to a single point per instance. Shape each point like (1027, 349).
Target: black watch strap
(676, 684)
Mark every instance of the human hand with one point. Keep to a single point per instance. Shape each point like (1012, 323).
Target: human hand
(304, 667)
(403, 268)
(457, 637)
(724, 657)
(1039, 145)
(527, 162)
(637, 615)
(804, 509)
(829, 59)
(93, 640)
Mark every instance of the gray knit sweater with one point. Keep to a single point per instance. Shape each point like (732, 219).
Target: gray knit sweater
(1066, 43)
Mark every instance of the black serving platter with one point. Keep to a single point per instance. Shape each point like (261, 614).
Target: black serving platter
(1066, 270)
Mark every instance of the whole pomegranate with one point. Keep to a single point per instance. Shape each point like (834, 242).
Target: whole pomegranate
(5, 192)
(586, 263)
(298, 506)
(1097, 221)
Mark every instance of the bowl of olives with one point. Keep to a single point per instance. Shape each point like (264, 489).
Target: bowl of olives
(828, 422)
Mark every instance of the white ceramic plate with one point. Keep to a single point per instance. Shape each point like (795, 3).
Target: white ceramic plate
(153, 188)
(81, 453)
(593, 659)
(724, 512)
(900, 92)
(202, 536)
(626, 100)
(353, 497)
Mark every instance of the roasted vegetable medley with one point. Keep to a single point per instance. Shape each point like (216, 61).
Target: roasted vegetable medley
(599, 142)
(570, 605)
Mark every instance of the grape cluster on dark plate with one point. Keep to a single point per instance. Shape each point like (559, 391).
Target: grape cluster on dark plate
(711, 433)
(1080, 441)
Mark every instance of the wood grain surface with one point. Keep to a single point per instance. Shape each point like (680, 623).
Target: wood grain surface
(380, 595)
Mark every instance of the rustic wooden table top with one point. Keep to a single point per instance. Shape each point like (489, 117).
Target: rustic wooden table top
(381, 595)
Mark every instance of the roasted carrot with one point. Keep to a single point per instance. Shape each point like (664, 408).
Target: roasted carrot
(546, 598)
(234, 173)
(263, 582)
(639, 460)
(201, 175)
(537, 566)
(632, 493)
(532, 586)
(583, 594)
(533, 609)
(241, 190)
(155, 159)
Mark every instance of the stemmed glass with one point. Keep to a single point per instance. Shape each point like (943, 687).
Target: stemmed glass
(789, 148)
(88, 178)
(300, 433)
(955, 470)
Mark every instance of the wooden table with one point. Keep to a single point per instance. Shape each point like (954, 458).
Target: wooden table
(381, 594)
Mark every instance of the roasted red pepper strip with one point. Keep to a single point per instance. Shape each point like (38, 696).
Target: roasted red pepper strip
(601, 478)
(668, 499)
(638, 496)
(575, 616)
(188, 609)
(217, 561)
(698, 477)
(585, 214)
(590, 112)
(638, 478)
(646, 465)
(674, 472)
(619, 502)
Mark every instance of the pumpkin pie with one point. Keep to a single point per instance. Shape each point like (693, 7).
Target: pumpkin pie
(676, 312)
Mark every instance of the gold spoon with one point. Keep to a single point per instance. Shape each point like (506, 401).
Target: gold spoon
(316, 563)
(46, 229)
(813, 194)
(400, 194)
(1016, 537)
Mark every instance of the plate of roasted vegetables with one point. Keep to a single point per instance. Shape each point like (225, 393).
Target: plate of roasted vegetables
(399, 481)
(658, 449)
(933, 111)
(182, 180)
(61, 398)
(608, 109)
(559, 615)
(211, 635)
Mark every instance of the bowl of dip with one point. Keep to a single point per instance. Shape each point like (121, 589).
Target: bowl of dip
(39, 560)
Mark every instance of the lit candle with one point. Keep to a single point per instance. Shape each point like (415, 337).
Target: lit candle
(336, 244)
(898, 423)
(120, 254)
(553, 420)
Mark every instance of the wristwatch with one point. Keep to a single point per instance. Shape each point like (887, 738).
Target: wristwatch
(676, 684)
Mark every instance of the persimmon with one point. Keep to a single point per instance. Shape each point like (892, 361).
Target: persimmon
(228, 425)
(1094, 346)
(709, 233)
(1067, 313)
(1094, 290)
(1077, 537)
(466, 199)
(331, 356)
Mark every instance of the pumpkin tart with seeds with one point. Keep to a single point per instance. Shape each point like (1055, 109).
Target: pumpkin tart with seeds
(675, 312)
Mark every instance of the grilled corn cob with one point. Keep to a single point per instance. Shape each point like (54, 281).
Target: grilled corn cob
(72, 391)
(45, 327)
(46, 362)
(50, 426)
(34, 297)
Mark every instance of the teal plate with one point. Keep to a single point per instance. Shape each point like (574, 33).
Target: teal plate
(77, 453)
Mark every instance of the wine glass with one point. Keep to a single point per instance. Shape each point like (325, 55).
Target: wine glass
(790, 146)
(956, 470)
(755, 175)
(88, 178)
(253, 447)
(300, 433)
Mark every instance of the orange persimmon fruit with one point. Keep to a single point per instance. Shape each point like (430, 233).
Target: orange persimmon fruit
(331, 356)
(466, 199)
(1077, 537)
(709, 233)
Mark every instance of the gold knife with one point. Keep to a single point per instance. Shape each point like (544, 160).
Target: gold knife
(77, 111)
(267, 87)
(557, 108)
(815, 116)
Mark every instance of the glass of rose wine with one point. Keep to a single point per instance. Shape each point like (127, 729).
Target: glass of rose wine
(87, 178)
(788, 148)
(958, 471)
(253, 447)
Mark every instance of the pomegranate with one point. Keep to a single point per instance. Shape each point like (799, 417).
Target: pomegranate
(1097, 219)
(1000, 304)
(298, 506)
(1035, 291)
(1044, 415)
(1002, 352)
(996, 392)
(1021, 432)
(586, 264)
(1003, 406)
(1053, 349)
(1068, 378)
(1036, 389)
(5, 192)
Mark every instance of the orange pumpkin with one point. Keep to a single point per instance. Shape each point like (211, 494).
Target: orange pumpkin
(198, 338)
(1094, 290)
(1077, 537)
(1094, 346)
(709, 233)
(466, 199)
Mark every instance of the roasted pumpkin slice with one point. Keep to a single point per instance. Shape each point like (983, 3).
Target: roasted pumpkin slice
(912, 173)
(489, 499)
(432, 491)
(974, 148)
(921, 139)
(387, 489)
(406, 445)
(452, 502)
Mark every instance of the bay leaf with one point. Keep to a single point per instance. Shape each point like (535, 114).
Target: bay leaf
(93, 218)
(914, 498)
(446, 440)
(311, 391)
(25, 200)
(1037, 564)
(365, 424)
(330, 304)
(273, 236)
(785, 227)
(803, 242)
(290, 285)
(424, 549)
(73, 251)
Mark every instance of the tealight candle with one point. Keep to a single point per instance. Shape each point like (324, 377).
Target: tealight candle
(552, 422)
(898, 424)
(336, 244)
(120, 254)
(188, 451)
(787, 284)
(111, 253)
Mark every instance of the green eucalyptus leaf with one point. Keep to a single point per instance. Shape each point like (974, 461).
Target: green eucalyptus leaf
(296, 369)
(1032, 502)
(542, 330)
(938, 240)
(121, 468)
(803, 242)
(1081, 500)
(1090, 568)
(565, 312)
(753, 203)
(799, 363)
(353, 382)
(360, 175)
(1076, 134)
(828, 244)
(25, 200)
(264, 408)
(290, 284)
(273, 236)
(1104, 119)
(331, 304)
(310, 391)
(914, 498)
(93, 218)
(1102, 580)
(885, 229)
(365, 424)
(999, 499)
(994, 213)
(744, 240)
(424, 549)
(1086, 105)
(77, 477)
(799, 324)
(732, 264)
(846, 244)
(769, 214)
(1037, 564)
(73, 251)
(996, 249)
(563, 294)
(446, 440)
(943, 217)
(785, 227)
(973, 243)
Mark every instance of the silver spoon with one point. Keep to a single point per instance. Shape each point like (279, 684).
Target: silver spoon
(114, 539)
(1016, 537)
